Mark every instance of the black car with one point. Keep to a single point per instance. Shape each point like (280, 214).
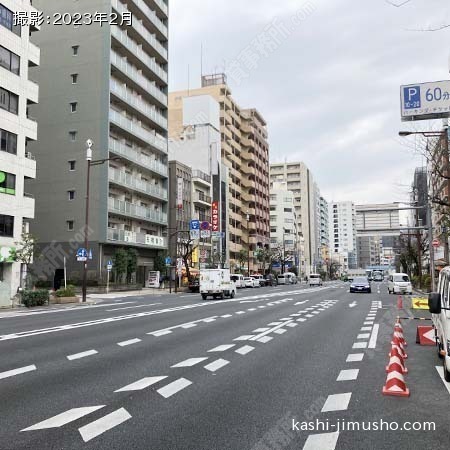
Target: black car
(194, 284)
(360, 284)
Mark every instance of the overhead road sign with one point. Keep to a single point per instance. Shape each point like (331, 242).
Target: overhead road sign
(425, 101)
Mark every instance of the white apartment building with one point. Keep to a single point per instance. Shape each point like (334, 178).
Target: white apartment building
(342, 218)
(284, 235)
(299, 180)
(17, 92)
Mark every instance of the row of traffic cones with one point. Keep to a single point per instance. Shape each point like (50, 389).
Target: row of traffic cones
(395, 382)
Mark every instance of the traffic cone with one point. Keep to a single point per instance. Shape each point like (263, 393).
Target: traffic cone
(396, 363)
(400, 350)
(398, 327)
(397, 341)
(399, 302)
(399, 335)
(395, 384)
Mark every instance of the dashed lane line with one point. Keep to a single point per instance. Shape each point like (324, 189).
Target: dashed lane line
(348, 375)
(100, 426)
(360, 345)
(221, 348)
(141, 384)
(363, 336)
(374, 336)
(189, 362)
(174, 387)
(133, 307)
(355, 357)
(246, 337)
(245, 349)
(19, 371)
(129, 342)
(280, 331)
(216, 365)
(323, 441)
(82, 355)
(337, 402)
(265, 339)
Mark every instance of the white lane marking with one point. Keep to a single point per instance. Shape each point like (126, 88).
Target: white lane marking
(261, 306)
(348, 375)
(260, 330)
(440, 370)
(130, 342)
(209, 319)
(292, 325)
(82, 355)
(244, 338)
(371, 315)
(274, 324)
(309, 315)
(366, 329)
(160, 333)
(240, 312)
(141, 384)
(316, 312)
(222, 348)
(352, 305)
(284, 319)
(64, 418)
(132, 307)
(188, 325)
(374, 336)
(265, 333)
(368, 322)
(337, 402)
(360, 345)
(324, 441)
(100, 426)
(264, 339)
(216, 365)
(321, 309)
(14, 372)
(295, 315)
(174, 387)
(363, 336)
(280, 331)
(189, 362)
(226, 316)
(301, 320)
(355, 357)
(251, 309)
(245, 349)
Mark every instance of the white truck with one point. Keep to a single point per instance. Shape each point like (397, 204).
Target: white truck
(216, 283)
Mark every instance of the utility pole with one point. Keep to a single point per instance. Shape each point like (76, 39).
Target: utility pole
(89, 145)
(248, 244)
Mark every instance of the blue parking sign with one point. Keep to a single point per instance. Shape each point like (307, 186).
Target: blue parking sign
(194, 225)
(411, 97)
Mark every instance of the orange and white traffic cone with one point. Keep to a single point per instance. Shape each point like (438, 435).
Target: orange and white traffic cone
(398, 326)
(400, 349)
(395, 384)
(397, 341)
(396, 363)
(400, 337)
(399, 302)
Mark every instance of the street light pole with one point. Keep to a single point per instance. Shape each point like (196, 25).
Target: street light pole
(248, 244)
(283, 266)
(89, 145)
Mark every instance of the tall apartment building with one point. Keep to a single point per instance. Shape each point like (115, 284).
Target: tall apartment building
(107, 83)
(299, 180)
(284, 233)
(342, 217)
(324, 231)
(245, 154)
(17, 130)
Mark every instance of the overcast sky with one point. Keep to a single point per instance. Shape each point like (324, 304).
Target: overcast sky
(325, 74)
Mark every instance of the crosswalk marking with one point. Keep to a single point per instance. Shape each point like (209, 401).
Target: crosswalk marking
(216, 365)
(221, 348)
(280, 331)
(292, 325)
(98, 427)
(174, 387)
(245, 349)
(265, 339)
(189, 362)
(14, 372)
(64, 418)
(141, 384)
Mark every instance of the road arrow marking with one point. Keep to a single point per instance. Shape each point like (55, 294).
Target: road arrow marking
(352, 305)
(64, 418)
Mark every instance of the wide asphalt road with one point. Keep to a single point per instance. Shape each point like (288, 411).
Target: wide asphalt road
(274, 368)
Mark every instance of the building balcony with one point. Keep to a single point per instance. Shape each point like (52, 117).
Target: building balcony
(201, 178)
(142, 57)
(137, 130)
(132, 210)
(199, 197)
(135, 156)
(130, 182)
(123, 237)
(152, 20)
(34, 54)
(142, 31)
(139, 105)
(137, 78)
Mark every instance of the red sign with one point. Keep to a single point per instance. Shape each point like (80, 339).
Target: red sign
(436, 243)
(425, 335)
(215, 216)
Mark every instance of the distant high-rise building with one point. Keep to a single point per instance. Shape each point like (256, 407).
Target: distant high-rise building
(107, 83)
(300, 182)
(17, 130)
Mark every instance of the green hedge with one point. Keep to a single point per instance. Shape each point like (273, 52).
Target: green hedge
(35, 298)
(68, 292)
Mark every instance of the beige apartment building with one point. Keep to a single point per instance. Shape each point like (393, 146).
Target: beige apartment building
(245, 153)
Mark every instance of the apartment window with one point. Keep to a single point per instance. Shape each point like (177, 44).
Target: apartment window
(71, 195)
(9, 101)
(73, 135)
(7, 183)
(9, 60)
(75, 50)
(6, 225)
(69, 224)
(74, 78)
(72, 165)
(7, 20)
(8, 142)
(73, 107)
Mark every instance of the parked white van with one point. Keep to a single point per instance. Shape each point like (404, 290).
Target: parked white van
(439, 305)
(315, 280)
(238, 280)
(399, 283)
(290, 278)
